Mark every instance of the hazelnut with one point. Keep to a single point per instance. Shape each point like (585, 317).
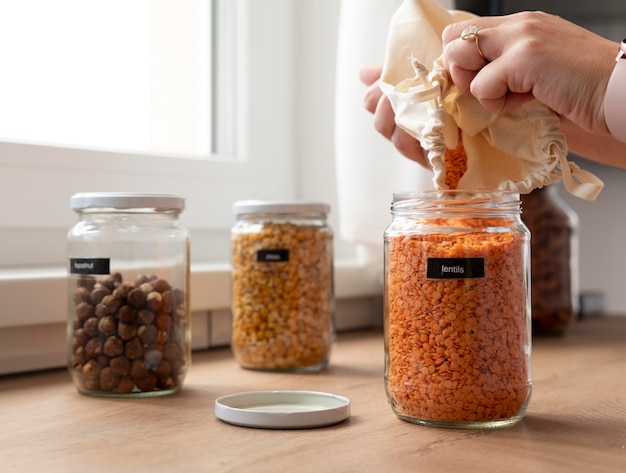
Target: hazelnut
(179, 315)
(120, 365)
(90, 326)
(108, 380)
(133, 348)
(126, 331)
(113, 346)
(136, 299)
(82, 294)
(101, 310)
(83, 311)
(161, 337)
(111, 281)
(90, 369)
(98, 293)
(142, 278)
(171, 352)
(103, 361)
(111, 303)
(122, 291)
(146, 288)
(169, 302)
(107, 325)
(180, 296)
(80, 338)
(138, 368)
(125, 385)
(161, 285)
(146, 316)
(147, 382)
(80, 357)
(163, 322)
(93, 348)
(127, 314)
(154, 300)
(163, 370)
(91, 384)
(147, 333)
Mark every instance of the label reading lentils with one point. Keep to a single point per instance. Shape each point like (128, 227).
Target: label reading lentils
(272, 256)
(90, 265)
(455, 268)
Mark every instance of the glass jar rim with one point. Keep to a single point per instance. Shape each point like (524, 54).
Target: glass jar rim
(461, 199)
(126, 200)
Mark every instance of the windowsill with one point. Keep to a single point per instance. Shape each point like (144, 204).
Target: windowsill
(33, 323)
(39, 296)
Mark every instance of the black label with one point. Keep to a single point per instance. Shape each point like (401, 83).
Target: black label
(453, 268)
(90, 265)
(272, 256)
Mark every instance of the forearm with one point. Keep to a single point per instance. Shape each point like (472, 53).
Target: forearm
(601, 148)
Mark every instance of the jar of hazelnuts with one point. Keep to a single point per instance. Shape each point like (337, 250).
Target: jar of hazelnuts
(128, 295)
(282, 286)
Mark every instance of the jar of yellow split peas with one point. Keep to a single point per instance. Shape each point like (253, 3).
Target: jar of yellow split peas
(282, 285)
(457, 309)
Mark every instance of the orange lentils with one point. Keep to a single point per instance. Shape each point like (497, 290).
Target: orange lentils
(457, 332)
(455, 163)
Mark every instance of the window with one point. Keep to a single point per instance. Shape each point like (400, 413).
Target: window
(248, 151)
(119, 75)
(41, 169)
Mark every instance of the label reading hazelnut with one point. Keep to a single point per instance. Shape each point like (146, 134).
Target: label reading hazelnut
(455, 268)
(272, 256)
(90, 265)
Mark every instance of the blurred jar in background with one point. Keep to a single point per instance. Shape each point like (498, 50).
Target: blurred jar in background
(554, 260)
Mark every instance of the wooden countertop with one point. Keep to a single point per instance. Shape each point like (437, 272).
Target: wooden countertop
(576, 420)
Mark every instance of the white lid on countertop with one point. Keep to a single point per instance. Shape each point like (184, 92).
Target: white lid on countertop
(282, 409)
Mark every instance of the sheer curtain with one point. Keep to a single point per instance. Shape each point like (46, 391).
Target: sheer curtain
(369, 170)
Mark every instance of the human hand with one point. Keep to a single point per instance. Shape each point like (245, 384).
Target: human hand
(384, 118)
(533, 55)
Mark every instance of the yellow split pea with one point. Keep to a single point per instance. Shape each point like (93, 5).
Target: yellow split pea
(457, 348)
(282, 304)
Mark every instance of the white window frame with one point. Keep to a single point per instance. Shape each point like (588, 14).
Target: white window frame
(33, 174)
(37, 181)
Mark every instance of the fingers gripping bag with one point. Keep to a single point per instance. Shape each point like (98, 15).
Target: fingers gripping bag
(468, 146)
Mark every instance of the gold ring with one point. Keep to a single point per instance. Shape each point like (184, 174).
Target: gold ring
(471, 34)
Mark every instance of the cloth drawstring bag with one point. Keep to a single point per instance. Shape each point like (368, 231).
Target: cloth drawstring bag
(468, 146)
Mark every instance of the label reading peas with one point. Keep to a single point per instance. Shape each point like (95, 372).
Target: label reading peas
(90, 265)
(272, 256)
(455, 268)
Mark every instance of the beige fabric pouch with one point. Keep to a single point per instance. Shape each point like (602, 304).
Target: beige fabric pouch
(518, 151)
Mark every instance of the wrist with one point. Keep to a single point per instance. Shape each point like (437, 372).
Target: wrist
(615, 97)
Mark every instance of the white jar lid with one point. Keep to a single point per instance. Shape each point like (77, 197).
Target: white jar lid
(279, 207)
(282, 409)
(126, 200)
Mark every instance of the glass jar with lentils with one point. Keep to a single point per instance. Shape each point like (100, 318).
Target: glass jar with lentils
(457, 309)
(282, 285)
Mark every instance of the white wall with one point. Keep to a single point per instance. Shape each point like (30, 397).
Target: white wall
(313, 100)
(602, 231)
